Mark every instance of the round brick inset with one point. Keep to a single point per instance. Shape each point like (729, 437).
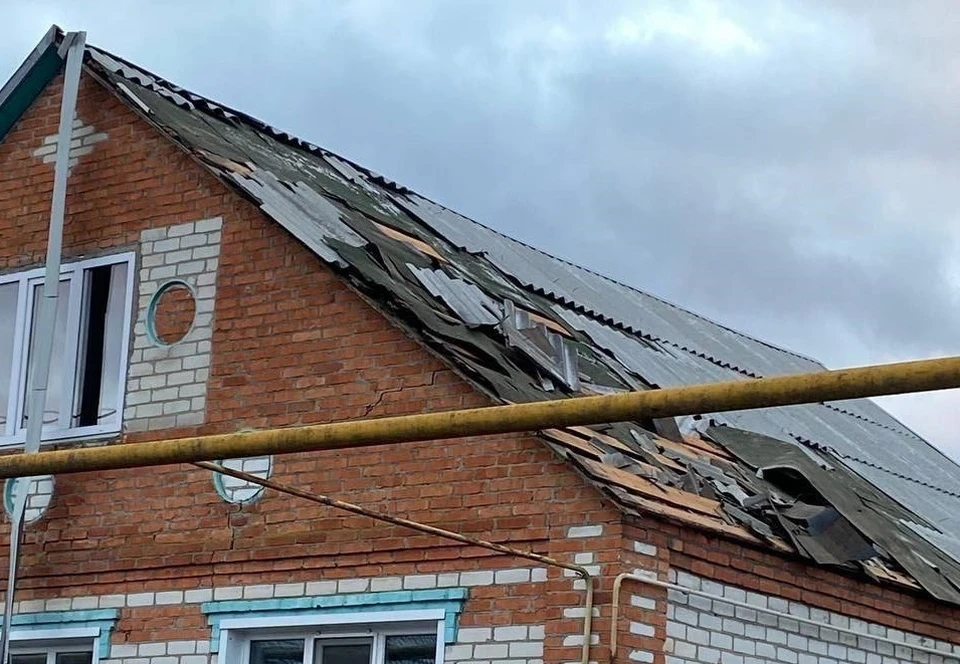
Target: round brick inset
(171, 313)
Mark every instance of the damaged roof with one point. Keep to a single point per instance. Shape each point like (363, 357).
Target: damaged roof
(843, 484)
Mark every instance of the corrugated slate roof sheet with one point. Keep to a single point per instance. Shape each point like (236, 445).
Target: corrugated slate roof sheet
(453, 283)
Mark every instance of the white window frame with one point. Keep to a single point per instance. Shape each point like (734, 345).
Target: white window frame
(237, 633)
(53, 641)
(73, 272)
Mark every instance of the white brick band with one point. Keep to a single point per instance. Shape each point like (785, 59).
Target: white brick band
(170, 652)
(522, 644)
(701, 629)
(517, 644)
(301, 589)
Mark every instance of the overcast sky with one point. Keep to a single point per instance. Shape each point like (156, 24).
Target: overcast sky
(789, 169)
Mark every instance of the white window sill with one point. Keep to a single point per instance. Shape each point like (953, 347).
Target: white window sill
(53, 437)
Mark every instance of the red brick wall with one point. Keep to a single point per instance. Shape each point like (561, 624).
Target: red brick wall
(292, 345)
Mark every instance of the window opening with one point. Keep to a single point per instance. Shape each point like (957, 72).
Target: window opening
(52, 651)
(410, 649)
(88, 363)
(343, 652)
(90, 376)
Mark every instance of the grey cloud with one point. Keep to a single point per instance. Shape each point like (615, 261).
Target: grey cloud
(800, 187)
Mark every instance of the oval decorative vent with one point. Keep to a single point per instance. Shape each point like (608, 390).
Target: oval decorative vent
(237, 491)
(39, 496)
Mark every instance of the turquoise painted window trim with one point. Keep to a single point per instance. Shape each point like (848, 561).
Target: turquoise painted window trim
(102, 619)
(451, 600)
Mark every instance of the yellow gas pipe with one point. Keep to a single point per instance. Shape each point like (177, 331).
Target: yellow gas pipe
(904, 377)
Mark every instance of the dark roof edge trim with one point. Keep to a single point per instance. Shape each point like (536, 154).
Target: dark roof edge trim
(30, 79)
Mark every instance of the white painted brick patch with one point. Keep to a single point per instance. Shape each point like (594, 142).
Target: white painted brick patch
(584, 531)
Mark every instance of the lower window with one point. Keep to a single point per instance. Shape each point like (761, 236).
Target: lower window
(385, 649)
(339, 644)
(50, 655)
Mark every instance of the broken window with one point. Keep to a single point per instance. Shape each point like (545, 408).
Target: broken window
(88, 362)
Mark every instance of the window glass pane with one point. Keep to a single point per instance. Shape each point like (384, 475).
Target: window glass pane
(8, 317)
(55, 394)
(286, 651)
(356, 653)
(74, 657)
(33, 658)
(419, 649)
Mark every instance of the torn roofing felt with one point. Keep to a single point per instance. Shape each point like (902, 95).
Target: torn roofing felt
(523, 326)
(821, 498)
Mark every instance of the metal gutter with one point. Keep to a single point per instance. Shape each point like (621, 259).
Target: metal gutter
(900, 378)
(429, 530)
(73, 43)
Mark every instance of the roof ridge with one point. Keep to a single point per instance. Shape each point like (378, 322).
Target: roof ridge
(934, 487)
(212, 105)
(832, 405)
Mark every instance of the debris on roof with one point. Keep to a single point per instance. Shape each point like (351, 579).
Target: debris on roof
(843, 484)
(471, 304)
(837, 517)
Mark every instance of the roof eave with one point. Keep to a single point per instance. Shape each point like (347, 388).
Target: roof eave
(30, 79)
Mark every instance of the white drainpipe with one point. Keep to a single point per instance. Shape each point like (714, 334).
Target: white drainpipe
(73, 44)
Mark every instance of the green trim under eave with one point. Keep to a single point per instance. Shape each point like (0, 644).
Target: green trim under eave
(19, 99)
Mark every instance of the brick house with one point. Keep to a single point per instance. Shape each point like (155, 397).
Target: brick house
(221, 275)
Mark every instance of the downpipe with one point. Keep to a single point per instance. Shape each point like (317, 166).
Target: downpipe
(73, 47)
